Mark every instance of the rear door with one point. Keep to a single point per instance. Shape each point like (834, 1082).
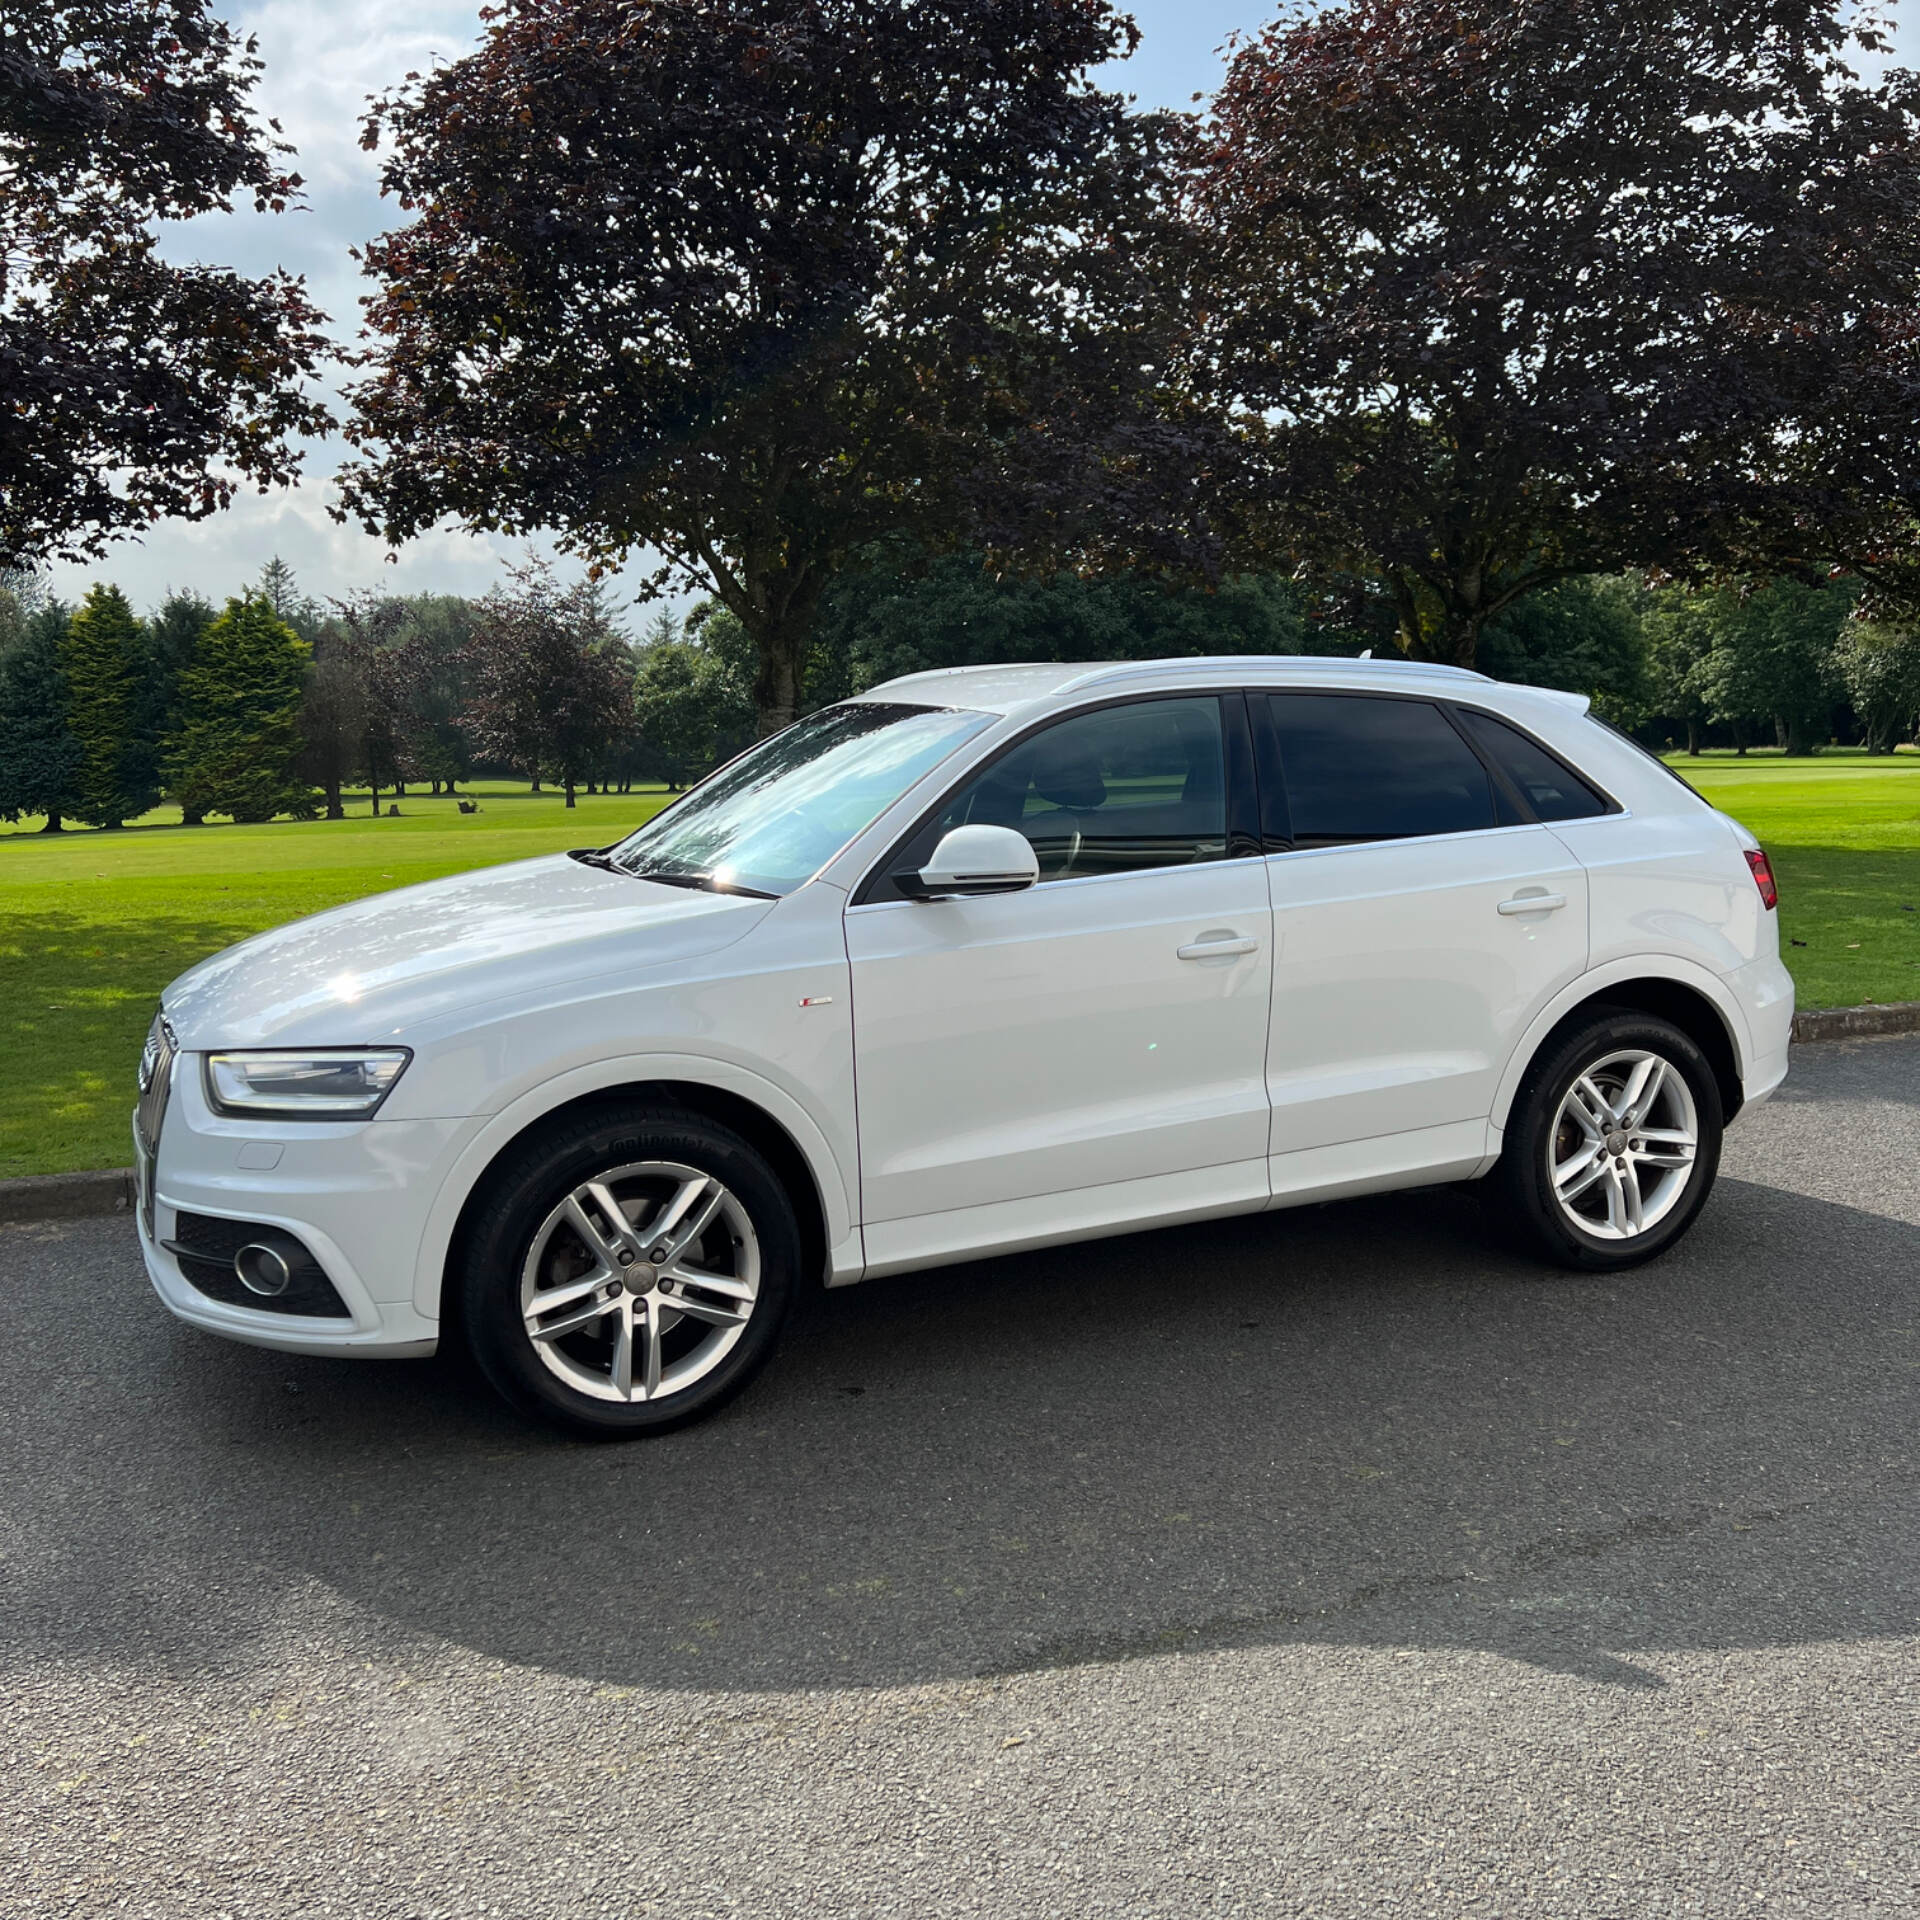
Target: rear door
(1421, 918)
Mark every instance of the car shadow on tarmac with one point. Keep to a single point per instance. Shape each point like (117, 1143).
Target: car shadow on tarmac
(1355, 1425)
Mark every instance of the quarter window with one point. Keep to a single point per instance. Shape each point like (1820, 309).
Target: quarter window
(1553, 791)
(1359, 767)
(1112, 791)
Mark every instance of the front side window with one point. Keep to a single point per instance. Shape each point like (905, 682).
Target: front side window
(1112, 791)
(1358, 767)
(772, 818)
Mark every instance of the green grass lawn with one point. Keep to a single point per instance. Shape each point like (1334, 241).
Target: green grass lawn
(1843, 831)
(93, 925)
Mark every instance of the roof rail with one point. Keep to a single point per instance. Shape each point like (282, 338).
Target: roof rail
(1242, 662)
(943, 673)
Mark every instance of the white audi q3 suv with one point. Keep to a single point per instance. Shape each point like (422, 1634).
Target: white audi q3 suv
(980, 960)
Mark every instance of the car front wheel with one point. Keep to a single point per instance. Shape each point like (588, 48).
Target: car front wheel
(631, 1272)
(1613, 1142)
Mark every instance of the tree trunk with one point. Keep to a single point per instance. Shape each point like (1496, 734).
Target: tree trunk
(777, 681)
(335, 811)
(191, 816)
(536, 783)
(53, 824)
(1693, 738)
(569, 787)
(376, 797)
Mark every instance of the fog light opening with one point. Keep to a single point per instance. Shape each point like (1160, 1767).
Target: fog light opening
(262, 1270)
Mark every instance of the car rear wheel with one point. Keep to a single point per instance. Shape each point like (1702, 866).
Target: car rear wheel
(1613, 1142)
(631, 1273)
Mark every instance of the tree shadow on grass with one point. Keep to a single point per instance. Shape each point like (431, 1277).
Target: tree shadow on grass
(1351, 1425)
(76, 997)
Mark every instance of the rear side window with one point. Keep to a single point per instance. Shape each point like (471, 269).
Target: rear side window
(1553, 790)
(1364, 768)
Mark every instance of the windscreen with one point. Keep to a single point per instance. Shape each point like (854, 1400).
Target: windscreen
(770, 819)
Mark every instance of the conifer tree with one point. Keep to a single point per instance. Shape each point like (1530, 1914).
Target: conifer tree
(172, 637)
(237, 744)
(39, 751)
(104, 657)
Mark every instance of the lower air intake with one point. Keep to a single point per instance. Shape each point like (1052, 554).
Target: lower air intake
(242, 1264)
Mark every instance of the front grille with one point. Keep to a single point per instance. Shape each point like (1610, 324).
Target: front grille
(156, 1084)
(205, 1246)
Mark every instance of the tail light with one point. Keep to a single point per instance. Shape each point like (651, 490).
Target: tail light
(1763, 878)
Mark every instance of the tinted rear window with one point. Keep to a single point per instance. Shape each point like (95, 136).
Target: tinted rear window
(1552, 789)
(1364, 768)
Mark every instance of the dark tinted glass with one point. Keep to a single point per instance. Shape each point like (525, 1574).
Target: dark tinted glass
(1552, 790)
(1141, 785)
(1372, 769)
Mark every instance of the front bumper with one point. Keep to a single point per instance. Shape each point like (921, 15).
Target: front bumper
(357, 1194)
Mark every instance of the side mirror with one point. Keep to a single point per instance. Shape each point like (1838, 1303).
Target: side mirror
(974, 860)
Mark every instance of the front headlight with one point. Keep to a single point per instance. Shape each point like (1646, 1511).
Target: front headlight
(322, 1083)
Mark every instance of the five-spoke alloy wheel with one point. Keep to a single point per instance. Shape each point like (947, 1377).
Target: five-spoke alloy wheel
(1613, 1141)
(631, 1273)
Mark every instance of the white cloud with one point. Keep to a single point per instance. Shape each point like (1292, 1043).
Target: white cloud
(220, 555)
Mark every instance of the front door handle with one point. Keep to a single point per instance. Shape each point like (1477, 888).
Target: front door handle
(1532, 903)
(1218, 949)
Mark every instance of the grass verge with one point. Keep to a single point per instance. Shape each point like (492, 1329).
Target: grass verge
(1843, 831)
(93, 925)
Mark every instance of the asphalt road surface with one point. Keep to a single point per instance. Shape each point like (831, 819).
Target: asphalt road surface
(1330, 1563)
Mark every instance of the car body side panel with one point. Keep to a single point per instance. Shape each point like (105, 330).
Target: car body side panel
(1669, 883)
(1728, 995)
(1043, 1042)
(1054, 1219)
(1400, 985)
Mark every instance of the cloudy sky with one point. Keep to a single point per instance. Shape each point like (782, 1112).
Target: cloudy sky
(322, 61)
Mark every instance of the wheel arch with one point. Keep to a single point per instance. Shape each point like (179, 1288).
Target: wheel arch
(771, 1122)
(1692, 1000)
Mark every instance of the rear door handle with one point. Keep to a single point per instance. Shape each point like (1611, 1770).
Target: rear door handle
(1218, 949)
(1532, 903)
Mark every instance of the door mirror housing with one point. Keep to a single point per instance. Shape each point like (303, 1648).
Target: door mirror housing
(973, 860)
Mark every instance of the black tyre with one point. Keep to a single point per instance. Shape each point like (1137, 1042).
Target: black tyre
(631, 1271)
(1612, 1144)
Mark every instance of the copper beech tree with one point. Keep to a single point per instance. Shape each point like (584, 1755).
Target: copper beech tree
(133, 387)
(551, 687)
(1503, 291)
(751, 284)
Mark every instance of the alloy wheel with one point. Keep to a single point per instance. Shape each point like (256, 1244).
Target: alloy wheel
(1623, 1144)
(640, 1282)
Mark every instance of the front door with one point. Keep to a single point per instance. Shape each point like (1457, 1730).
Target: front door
(1092, 1048)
